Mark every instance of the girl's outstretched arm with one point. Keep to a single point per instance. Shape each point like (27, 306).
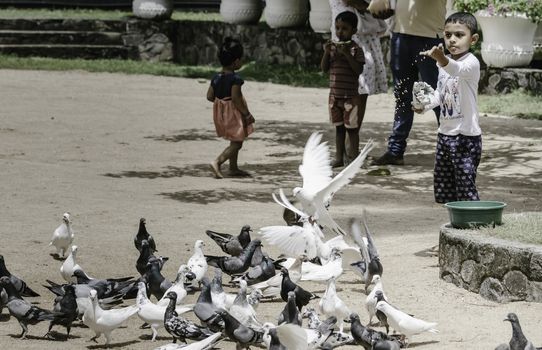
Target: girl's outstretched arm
(211, 94)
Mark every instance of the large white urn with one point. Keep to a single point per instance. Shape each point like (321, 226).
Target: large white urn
(507, 40)
(152, 9)
(320, 16)
(241, 11)
(286, 13)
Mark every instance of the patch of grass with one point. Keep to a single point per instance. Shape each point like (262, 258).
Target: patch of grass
(517, 103)
(47, 13)
(521, 227)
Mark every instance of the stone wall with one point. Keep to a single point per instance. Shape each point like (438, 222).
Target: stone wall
(498, 270)
(504, 80)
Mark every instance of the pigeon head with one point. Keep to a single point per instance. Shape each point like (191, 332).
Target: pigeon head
(379, 295)
(284, 271)
(354, 317)
(376, 279)
(74, 249)
(199, 244)
(246, 228)
(144, 243)
(66, 218)
(93, 294)
(296, 191)
(512, 318)
(205, 282)
(291, 295)
(171, 295)
(4, 281)
(256, 242)
(142, 221)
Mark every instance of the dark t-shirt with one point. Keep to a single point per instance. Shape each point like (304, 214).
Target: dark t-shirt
(222, 83)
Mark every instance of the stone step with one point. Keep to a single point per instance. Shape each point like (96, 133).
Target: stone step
(72, 51)
(27, 37)
(80, 25)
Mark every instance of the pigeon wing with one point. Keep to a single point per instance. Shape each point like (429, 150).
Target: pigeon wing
(316, 166)
(291, 240)
(292, 336)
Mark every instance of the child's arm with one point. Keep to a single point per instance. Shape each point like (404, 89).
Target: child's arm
(211, 94)
(238, 101)
(324, 63)
(357, 66)
(437, 53)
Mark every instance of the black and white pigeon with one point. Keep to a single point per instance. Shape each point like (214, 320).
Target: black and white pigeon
(322, 334)
(146, 256)
(179, 327)
(143, 234)
(232, 245)
(21, 309)
(20, 286)
(290, 313)
(379, 296)
(65, 310)
(518, 340)
(243, 336)
(302, 297)
(259, 273)
(235, 264)
(106, 288)
(205, 310)
(157, 284)
(365, 336)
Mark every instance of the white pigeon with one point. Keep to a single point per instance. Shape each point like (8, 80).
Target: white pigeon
(271, 287)
(63, 236)
(371, 301)
(318, 185)
(321, 273)
(153, 314)
(70, 265)
(105, 321)
(197, 262)
(332, 305)
(242, 310)
(404, 323)
(177, 287)
(205, 344)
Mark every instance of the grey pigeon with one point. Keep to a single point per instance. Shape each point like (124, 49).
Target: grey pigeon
(386, 345)
(259, 273)
(179, 327)
(365, 336)
(20, 286)
(21, 309)
(157, 284)
(290, 313)
(106, 288)
(232, 245)
(65, 310)
(143, 234)
(205, 310)
(235, 264)
(518, 340)
(83, 291)
(243, 336)
(302, 297)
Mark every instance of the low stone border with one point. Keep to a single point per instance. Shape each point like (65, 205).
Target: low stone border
(498, 270)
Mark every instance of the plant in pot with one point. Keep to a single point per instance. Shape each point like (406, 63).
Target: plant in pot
(508, 28)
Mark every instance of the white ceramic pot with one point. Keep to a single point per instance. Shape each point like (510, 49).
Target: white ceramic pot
(507, 41)
(286, 13)
(241, 11)
(320, 16)
(152, 9)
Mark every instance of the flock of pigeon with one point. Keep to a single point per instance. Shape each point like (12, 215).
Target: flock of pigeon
(305, 257)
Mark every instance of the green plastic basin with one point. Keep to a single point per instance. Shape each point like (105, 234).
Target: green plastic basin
(469, 214)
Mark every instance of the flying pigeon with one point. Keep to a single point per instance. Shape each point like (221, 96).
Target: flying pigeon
(153, 314)
(106, 321)
(143, 234)
(65, 310)
(234, 264)
(371, 265)
(404, 323)
(197, 262)
(332, 305)
(179, 327)
(518, 340)
(318, 185)
(21, 309)
(20, 286)
(232, 245)
(63, 236)
(302, 297)
(70, 265)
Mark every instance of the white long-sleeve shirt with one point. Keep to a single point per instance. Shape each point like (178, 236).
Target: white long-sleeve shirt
(456, 93)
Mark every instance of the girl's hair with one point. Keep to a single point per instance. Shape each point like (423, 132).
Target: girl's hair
(230, 50)
(464, 18)
(348, 17)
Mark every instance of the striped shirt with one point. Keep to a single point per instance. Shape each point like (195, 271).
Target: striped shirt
(343, 81)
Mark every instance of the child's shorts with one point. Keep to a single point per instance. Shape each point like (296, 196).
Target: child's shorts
(345, 111)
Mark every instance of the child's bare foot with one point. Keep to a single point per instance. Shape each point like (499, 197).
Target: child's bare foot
(215, 168)
(337, 164)
(239, 173)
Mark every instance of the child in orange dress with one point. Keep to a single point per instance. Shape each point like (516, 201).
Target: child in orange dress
(232, 119)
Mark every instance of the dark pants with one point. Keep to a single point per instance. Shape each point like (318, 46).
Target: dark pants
(456, 161)
(407, 66)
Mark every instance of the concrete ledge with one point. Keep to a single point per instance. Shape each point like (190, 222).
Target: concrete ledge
(498, 270)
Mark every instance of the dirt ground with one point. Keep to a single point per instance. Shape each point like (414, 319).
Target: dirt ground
(111, 148)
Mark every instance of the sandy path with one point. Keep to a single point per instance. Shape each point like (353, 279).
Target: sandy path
(112, 148)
